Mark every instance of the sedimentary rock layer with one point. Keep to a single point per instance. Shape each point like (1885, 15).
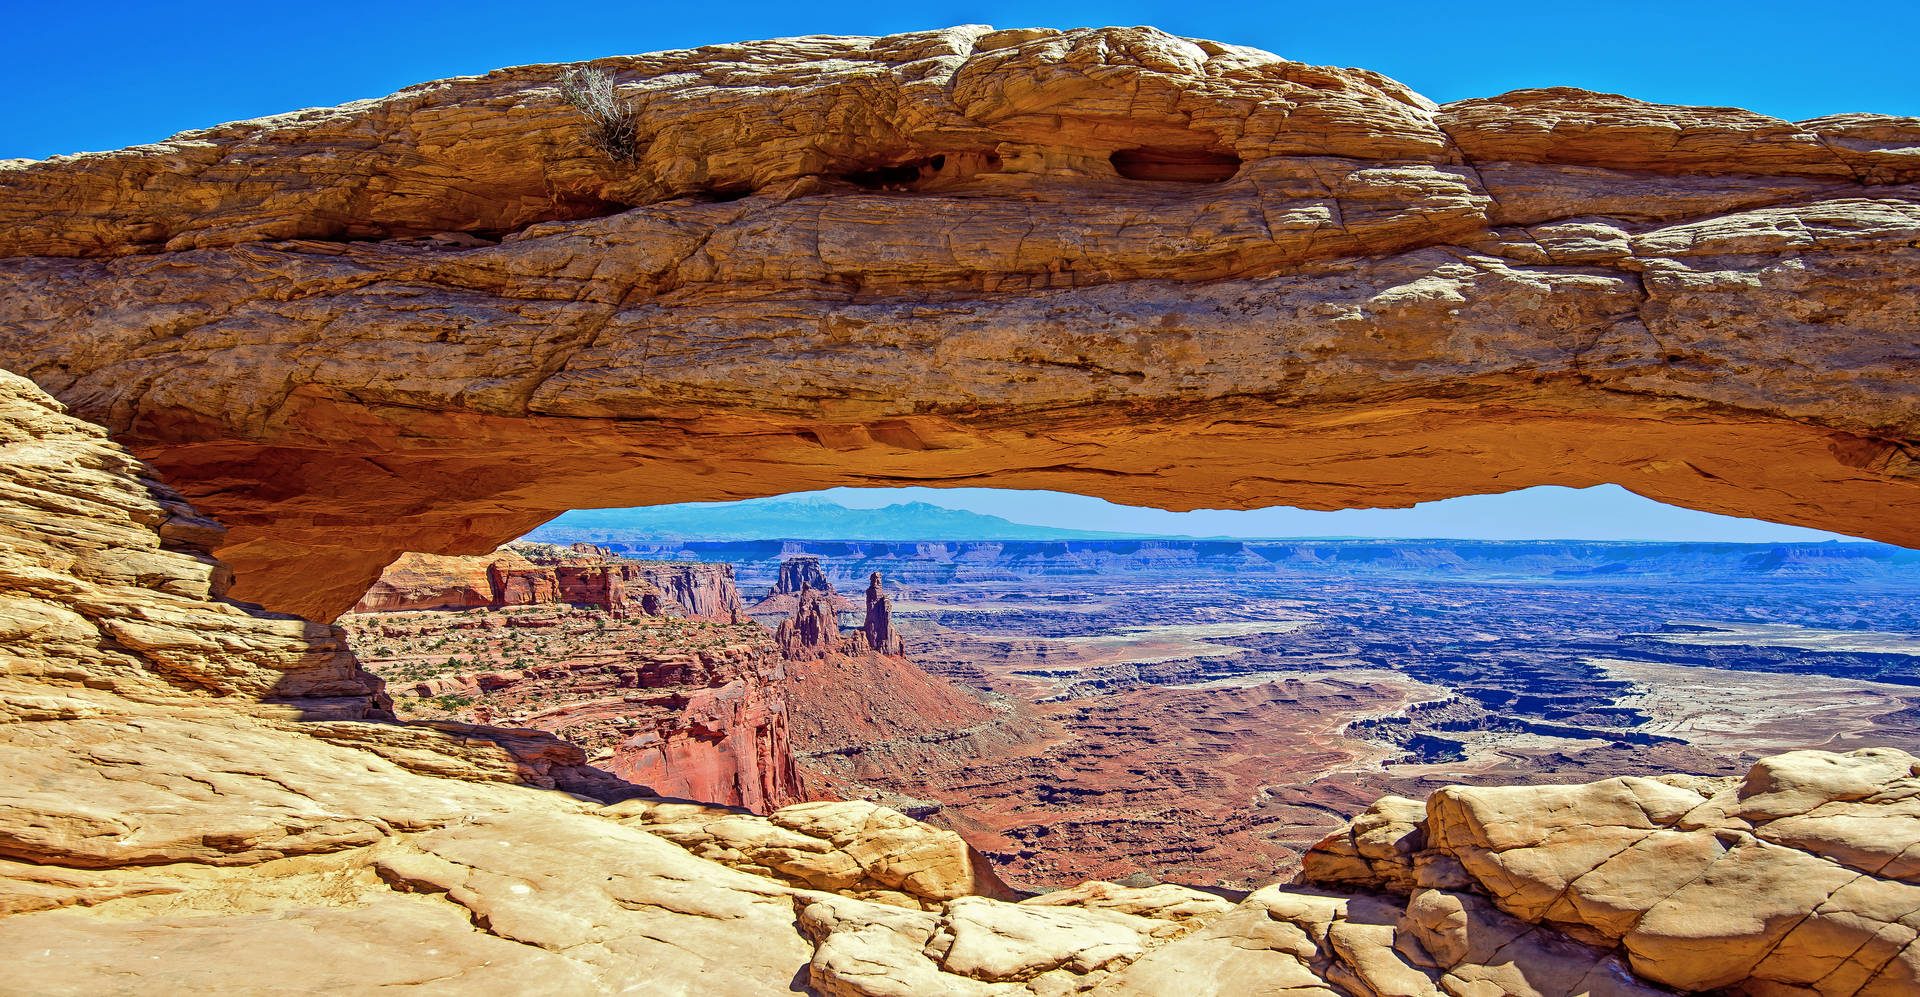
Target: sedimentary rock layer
(542, 574)
(1107, 260)
(1802, 878)
(693, 705)
(796, 575)
(167, 821)
(690, 709)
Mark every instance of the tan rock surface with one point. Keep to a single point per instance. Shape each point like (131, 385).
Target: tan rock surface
(1798, 879)
(1107, 260)
(851, 847)
(207, 839)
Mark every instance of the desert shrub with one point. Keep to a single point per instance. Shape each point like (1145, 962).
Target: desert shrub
(611, 121)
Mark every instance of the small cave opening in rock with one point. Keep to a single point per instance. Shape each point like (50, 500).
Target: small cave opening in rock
(897, 175)
(1176, 165)
(918, 646)
(725, 194)
(926, 172)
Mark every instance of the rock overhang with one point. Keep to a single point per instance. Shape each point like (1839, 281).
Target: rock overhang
(1107, 260)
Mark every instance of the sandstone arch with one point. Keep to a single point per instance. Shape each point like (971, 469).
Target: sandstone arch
(432, 320)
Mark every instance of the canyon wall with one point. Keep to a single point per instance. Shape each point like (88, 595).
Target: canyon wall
(650, 667)
(687, 705)
(696, 710)
(1158, 270)
(536, 574)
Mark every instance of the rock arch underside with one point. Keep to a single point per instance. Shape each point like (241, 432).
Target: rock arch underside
(431, 321)
(258, 361)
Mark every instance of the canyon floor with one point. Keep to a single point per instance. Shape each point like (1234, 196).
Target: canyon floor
(1170, 711)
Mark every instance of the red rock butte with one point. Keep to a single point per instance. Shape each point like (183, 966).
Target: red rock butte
(1109, 261)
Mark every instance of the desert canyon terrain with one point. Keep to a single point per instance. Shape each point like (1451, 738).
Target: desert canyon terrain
(279, 714)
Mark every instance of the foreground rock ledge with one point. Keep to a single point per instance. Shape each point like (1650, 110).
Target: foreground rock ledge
(1110, 261)
(197, 796)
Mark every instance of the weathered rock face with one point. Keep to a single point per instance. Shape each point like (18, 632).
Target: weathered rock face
(878, 626)
(1802, 878)
(854, 847)
(525, 574)
(690, 709)
(1110, 260)
(165, 817)
(813, 631)
(107, 590)
(797, 575)
(716, 710)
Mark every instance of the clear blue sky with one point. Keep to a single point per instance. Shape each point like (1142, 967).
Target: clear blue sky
(101, 75)
(84, 76)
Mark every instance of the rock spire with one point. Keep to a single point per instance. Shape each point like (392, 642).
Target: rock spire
(878, 628)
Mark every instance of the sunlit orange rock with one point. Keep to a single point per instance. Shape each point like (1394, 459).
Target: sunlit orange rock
(542, 574)
(1111, 261)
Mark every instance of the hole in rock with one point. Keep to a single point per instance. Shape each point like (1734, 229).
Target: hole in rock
(1086, 690)
(899, 175)
(1176, 165)
(938, 170)
(723, 195)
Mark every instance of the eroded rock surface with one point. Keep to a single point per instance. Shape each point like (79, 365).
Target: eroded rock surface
(852, 847)
(1105, 260)
(529, 574)
(1160, 270)
(1799, 879)
(798, 574)
(215, 837)
(877, 626)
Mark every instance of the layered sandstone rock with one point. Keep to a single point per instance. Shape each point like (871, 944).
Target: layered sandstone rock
(1160, 270)
(854, 847)
(201, 839)
(106, 588)
(168, 820)
(877, 628)
(645, 665)
(1799, 879)
(527, 574)
(696, 708)
(1113, 261)
(798, 574)
(813, 631)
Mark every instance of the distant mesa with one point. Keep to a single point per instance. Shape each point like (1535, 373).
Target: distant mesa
(531, 574)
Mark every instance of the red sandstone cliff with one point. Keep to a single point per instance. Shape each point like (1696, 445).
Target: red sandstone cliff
(524, 574)
(691, 709)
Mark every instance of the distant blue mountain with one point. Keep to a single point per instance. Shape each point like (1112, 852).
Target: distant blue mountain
(809, 518)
